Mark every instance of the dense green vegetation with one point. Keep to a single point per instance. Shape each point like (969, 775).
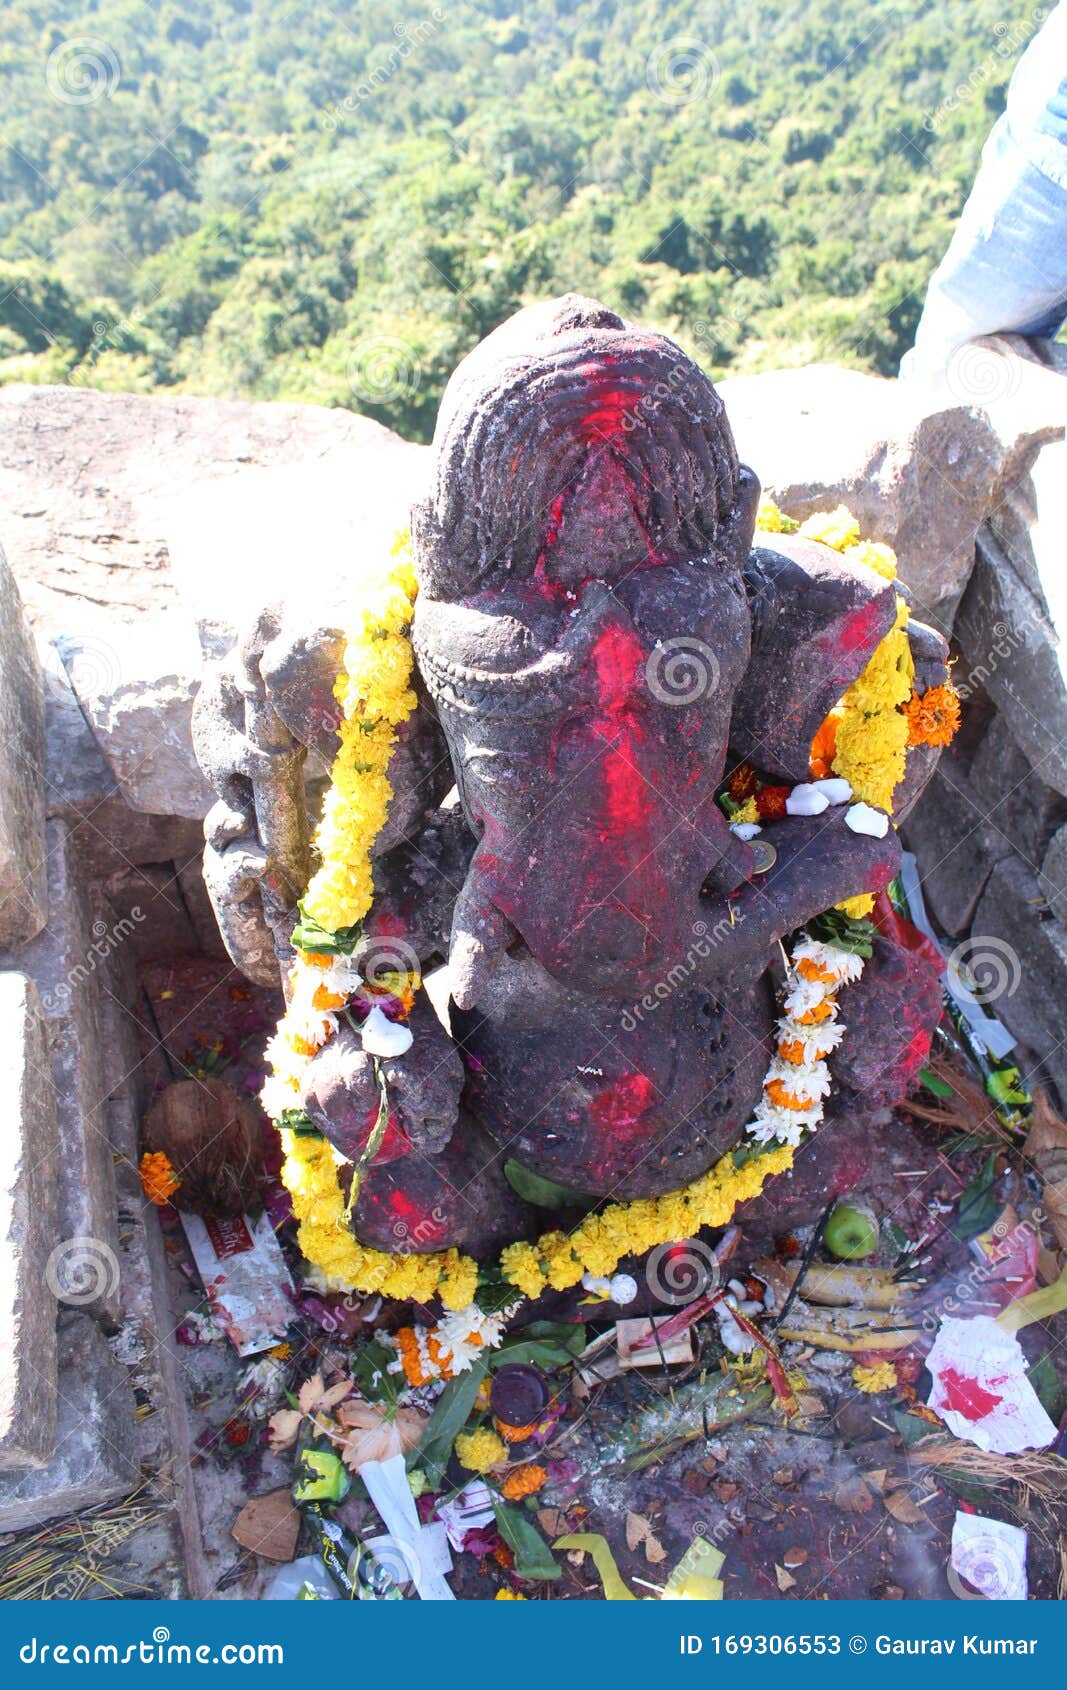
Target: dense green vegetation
(333, 203)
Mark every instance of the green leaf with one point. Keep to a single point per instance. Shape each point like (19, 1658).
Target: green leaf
(1046, 1382)
(834, 927)
(934, 1083)
(544, 1193)
(912, 1428)
(308, 935)
(448, 1419)
(370, 1369)
(979, 1206)
(536, 1352)
(533, 1558)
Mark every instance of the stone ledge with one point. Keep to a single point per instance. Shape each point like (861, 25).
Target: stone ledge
(28, 1206)
(95, 1457)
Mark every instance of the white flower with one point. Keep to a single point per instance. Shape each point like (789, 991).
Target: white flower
(816, 1042)
(745, 830)
(382, 1037)
(466, 1334)
(810, 1083)
(862, 818)
(805, 995)
(843, 965)
(277, 1094)
(806, 800)
(835, 791)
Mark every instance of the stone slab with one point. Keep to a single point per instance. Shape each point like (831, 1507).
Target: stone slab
(29, 1167)
(918, 470)
(136, 687)
(1025, 951)
(91, 484)
(1010, 647)
(956, 847)
(95, 1457)
(23, 893)
(64, 962)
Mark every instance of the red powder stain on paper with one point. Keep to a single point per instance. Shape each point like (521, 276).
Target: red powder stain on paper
(966, 1396)
(624, 1103)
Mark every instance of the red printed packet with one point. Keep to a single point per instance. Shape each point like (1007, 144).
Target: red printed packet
(245, 1277)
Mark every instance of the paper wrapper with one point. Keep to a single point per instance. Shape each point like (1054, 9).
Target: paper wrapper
(981, 1390)
(245, 1277)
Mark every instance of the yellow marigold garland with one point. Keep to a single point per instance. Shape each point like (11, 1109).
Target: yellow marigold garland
(375, 694)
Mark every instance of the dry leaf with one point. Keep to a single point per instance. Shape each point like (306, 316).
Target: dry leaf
(654, 1550)
(268, 1526)
(637, 1529)
(902, 1508)
(376, 1432)
(1046, 1147)
(794, 1557)
(852, 1496)
(552, 1521)
(335, 1394)
(786, 1581)
(283, 1428)
(876, 1476)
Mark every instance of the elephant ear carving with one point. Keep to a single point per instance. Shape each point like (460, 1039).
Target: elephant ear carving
(816, 621)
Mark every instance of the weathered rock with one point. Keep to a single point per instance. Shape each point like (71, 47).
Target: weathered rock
(108, 531)
(1013, 799)
(1010, 648)
(919, 471)
(28, 1173)
(1023, 950)
(95, 1457)
(80, 788)
(136, 686)
(956, 848)
(1054, 874)
(23, 897)
(64, 960)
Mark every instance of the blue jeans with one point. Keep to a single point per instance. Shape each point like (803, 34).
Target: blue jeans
(1006, 268)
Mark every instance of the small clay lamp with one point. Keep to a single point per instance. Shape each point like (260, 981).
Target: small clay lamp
(519, 1396)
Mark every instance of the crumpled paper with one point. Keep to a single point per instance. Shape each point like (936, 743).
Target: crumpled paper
(991, 1556)
(980, 1388)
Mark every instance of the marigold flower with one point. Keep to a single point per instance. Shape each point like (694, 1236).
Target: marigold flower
(770, 802)
(934, 716)
(479, 1451)
(158, 1179)
(881, 1377)
(524, 1481)
(743, 783)
(824, 748)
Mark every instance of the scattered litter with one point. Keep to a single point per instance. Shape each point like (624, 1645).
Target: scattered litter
(638, 1346)
(980, 1388)
(991, 1556)
(245, 1277)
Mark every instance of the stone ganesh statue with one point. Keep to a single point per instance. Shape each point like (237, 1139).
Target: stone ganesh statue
(598, 645)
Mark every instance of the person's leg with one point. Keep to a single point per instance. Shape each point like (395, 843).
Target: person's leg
(1006, 267)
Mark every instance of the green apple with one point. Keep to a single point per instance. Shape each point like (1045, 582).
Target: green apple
(851, 1232)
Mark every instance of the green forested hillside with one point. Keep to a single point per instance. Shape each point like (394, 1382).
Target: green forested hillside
(333, 202)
